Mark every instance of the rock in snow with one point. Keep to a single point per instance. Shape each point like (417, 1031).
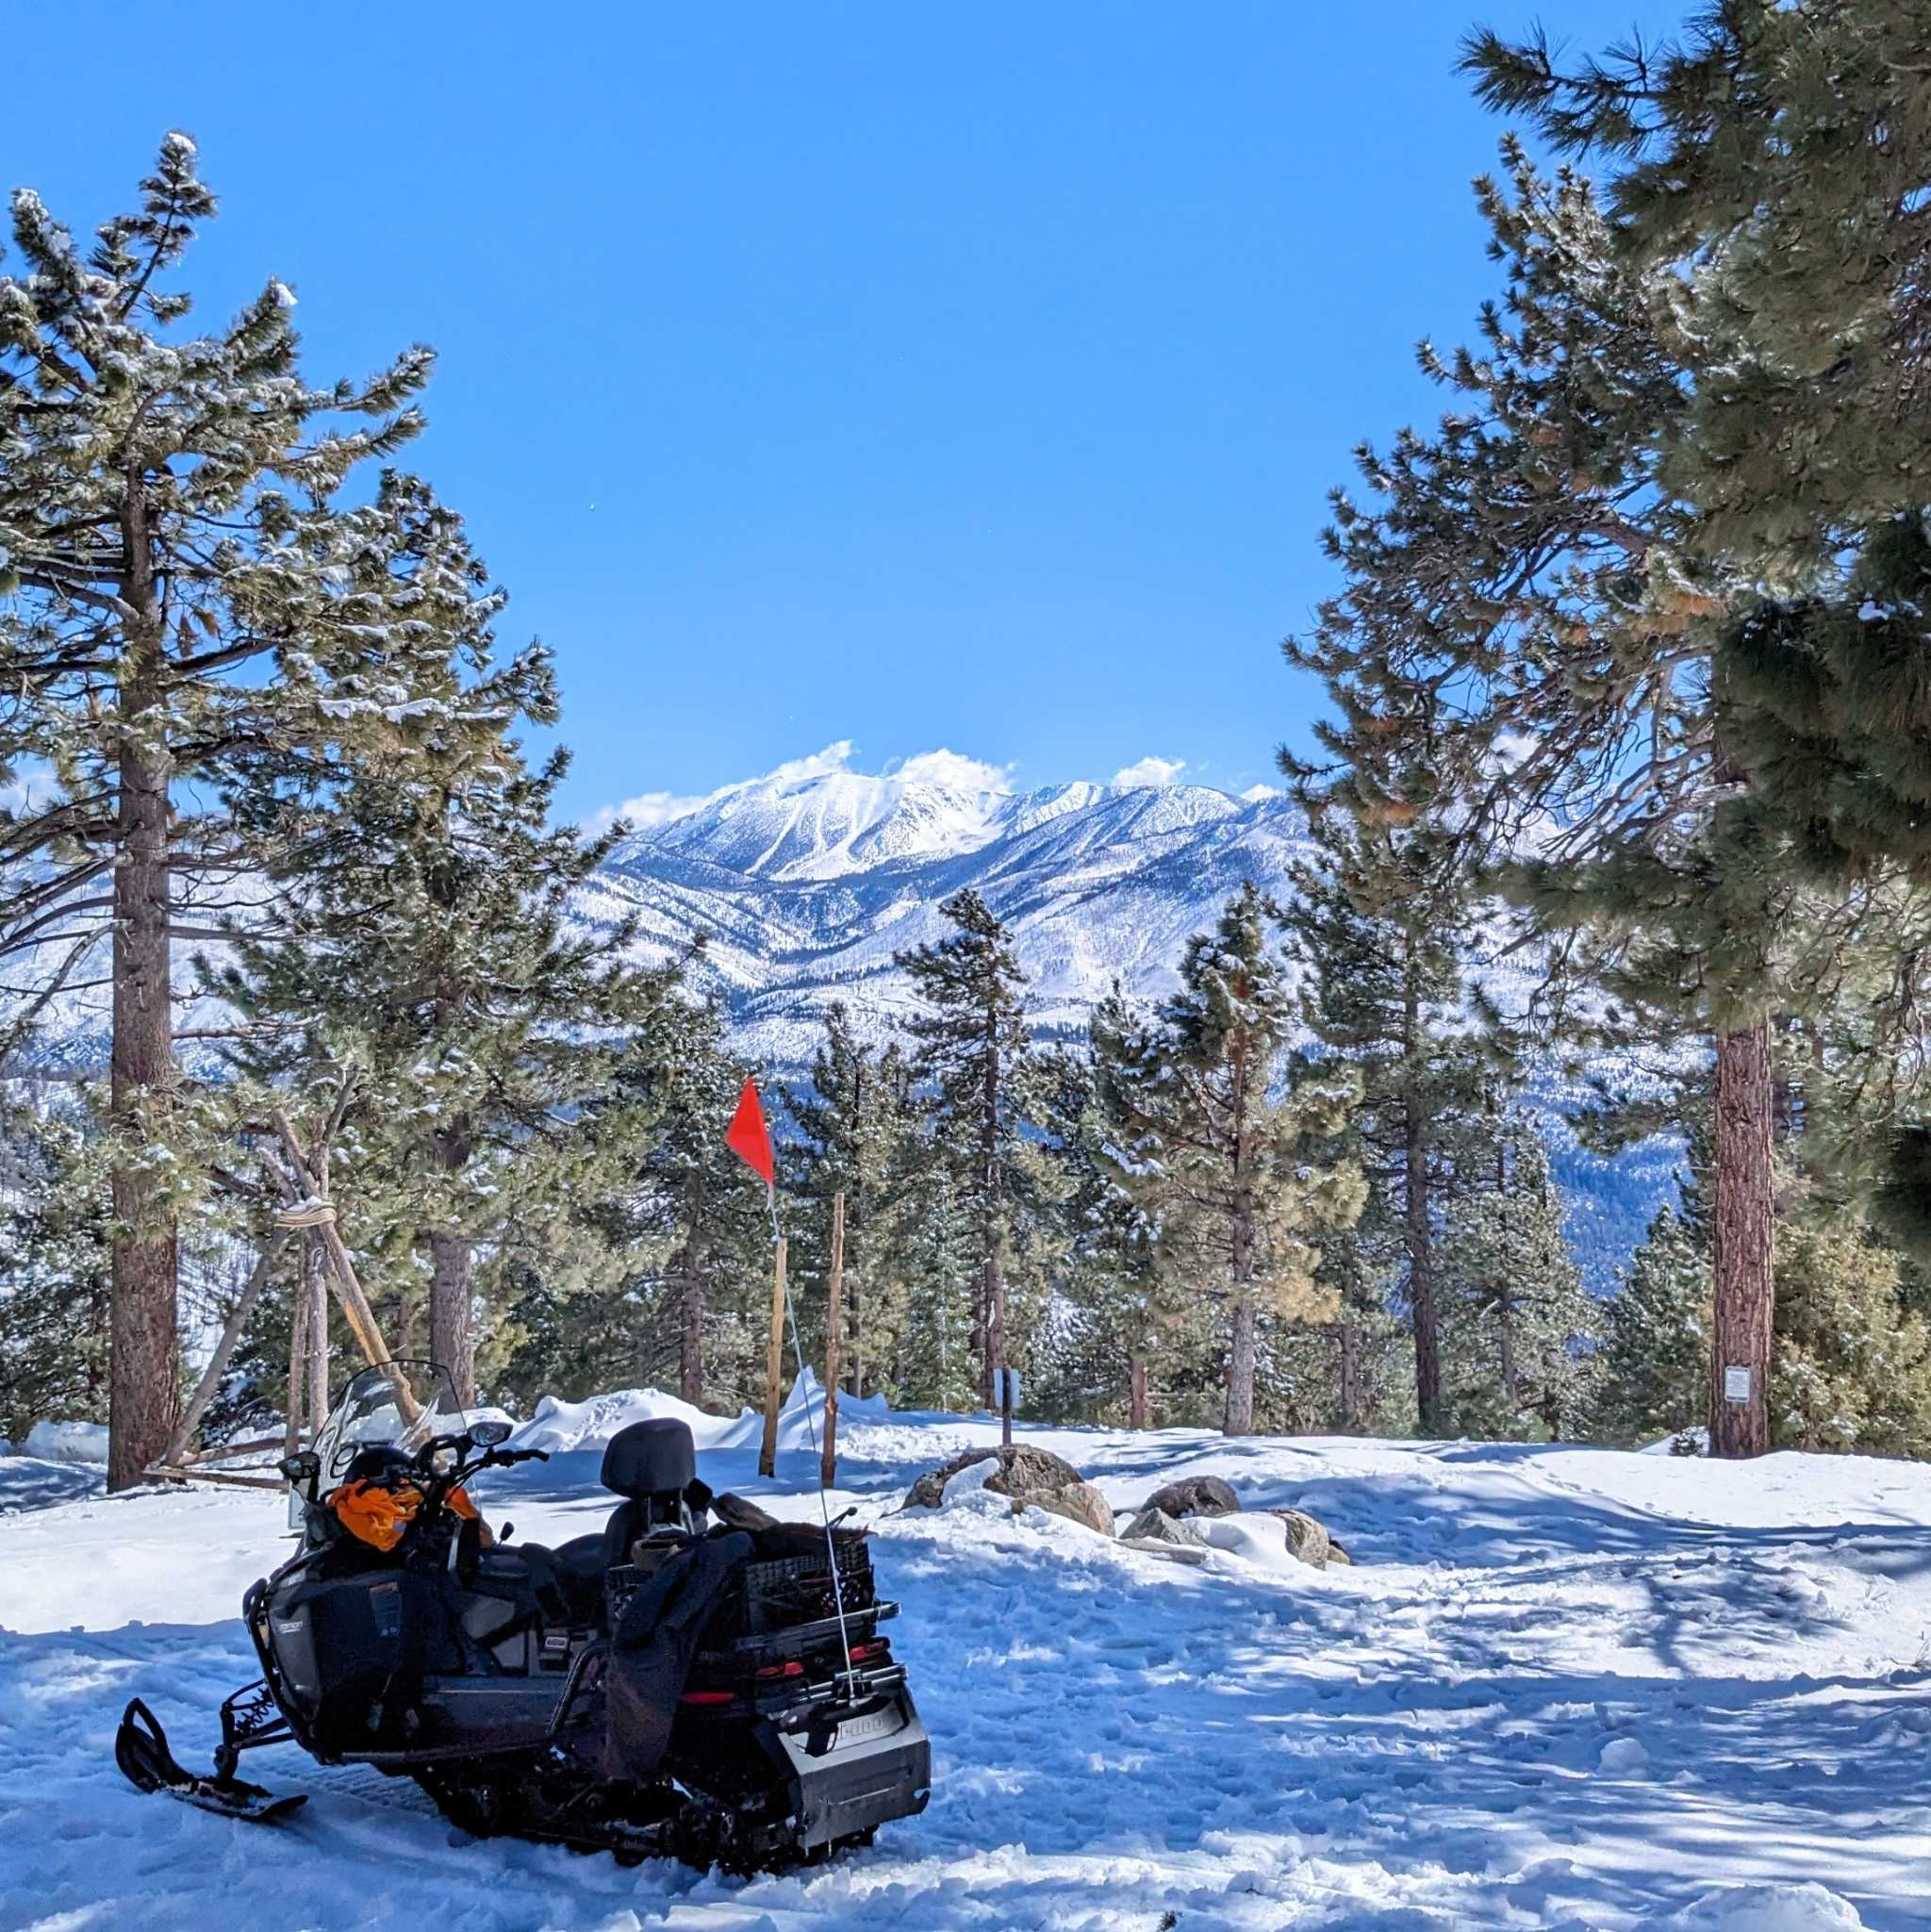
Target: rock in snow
(1198, 1496)
(1156, 1528)
(1026, 1475)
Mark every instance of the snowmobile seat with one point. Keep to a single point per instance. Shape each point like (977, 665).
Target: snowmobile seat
(652, 1465)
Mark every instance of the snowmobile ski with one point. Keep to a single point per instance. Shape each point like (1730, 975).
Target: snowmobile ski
(141, 1750)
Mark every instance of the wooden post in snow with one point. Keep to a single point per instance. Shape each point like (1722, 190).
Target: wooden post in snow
(774, 1366)
(834, 1321)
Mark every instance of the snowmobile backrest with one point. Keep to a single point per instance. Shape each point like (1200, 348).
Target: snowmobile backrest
(650, 1458)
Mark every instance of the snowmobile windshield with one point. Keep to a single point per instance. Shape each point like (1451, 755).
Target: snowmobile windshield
(400, 1404)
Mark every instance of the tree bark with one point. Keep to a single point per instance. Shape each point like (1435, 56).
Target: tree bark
(1137, 1405)
(690, 1304)
(143, 1395)
(1350, 1373)
(1239, 1372)
(1744, 1236)
(451, 1288)
(1419, 1236)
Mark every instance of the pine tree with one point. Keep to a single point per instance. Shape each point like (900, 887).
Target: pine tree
(1769, 166)
(936, 1237)
(1200, 1140)
(694, 1210)
(1653, 1366)
(1123, 1320)
(1853, 1365)
(1378, 922)
(851, 1120)
(180, 584)
(54, 1272)
(1528, 623)
(440, 975)
(975, 1068)
(1518, 1322)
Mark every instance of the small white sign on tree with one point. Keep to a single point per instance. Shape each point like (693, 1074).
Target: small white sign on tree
(1736, 1384)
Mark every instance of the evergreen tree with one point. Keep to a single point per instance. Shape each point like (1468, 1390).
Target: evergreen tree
(693, 1211)
(54, 1273)
(1201, 1139)
(935, 1236)
(1354, 1375)
(851, 1120)
(981, 1084)
(1529, 625)
(1769, 167)
(1653, 1366)
(1123, 1319)
(180, 584)
(1519, 1321)
(1853, 1365)
(439, 974)
(1378, 922)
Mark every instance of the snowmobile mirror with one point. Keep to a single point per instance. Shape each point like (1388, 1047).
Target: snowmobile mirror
(303, 1466)
(485, 1435)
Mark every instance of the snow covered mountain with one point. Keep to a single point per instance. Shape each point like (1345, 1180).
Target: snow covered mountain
(805, 882)
(808, 880)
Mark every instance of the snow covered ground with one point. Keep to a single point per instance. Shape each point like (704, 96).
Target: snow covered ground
(1562, 1688)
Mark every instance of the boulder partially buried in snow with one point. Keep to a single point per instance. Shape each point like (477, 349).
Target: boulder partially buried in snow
(1195, 1496)
(1308, 1540)
(1025, 1476)
(1165, 1536)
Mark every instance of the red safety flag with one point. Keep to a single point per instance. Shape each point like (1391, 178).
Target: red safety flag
(748, 1138)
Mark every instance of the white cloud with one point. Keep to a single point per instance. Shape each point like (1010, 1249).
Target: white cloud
(952, 768)
(642, 812)
(1150, 771)
(796, 771)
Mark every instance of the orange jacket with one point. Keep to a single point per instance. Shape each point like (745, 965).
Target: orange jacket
(380, 1516)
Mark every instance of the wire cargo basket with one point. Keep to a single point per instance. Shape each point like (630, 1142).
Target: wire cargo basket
(782, 1591)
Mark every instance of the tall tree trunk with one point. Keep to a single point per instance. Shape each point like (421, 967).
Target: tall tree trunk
(855, 1330)
(993, 1322)
(1419, 1237)
(1239, 1371)
(451, 1288)
(1745, 1231)
(690, 1303)
(142, 1393)
(1350, 1373)
(1137, 1405)
(1511, 1394)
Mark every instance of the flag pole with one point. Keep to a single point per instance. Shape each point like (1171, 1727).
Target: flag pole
(750, 1139)
(774, 1351)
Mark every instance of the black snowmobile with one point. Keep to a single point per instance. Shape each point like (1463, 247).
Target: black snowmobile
(713, 1691)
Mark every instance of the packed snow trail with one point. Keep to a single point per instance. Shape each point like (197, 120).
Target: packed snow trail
(1561, 1687)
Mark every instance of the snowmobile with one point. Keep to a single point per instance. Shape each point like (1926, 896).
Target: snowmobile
(699, 1680)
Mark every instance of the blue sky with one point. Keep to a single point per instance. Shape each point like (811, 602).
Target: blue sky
(965, 377)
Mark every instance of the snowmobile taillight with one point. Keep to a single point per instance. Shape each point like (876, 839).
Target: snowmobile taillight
(860, 1652)
(793, 1669)
(708, 1698)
